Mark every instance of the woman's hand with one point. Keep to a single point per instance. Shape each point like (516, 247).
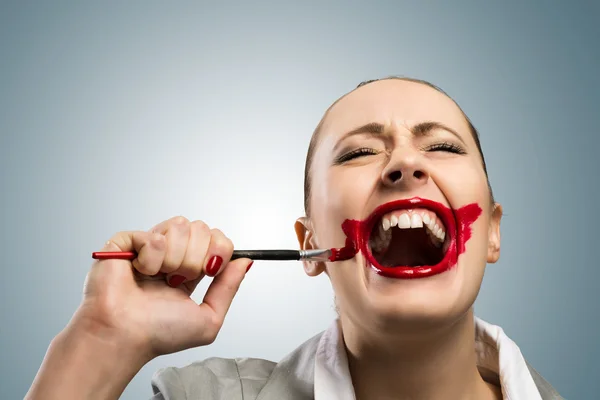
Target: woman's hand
(134, 311)
(146, 303)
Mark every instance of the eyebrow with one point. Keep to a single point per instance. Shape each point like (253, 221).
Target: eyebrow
(422, 129)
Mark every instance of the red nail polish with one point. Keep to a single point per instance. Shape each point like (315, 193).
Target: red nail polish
(176, 280)
(214, 264)
(249, 265)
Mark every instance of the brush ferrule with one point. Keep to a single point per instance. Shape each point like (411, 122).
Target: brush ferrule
(315, 255)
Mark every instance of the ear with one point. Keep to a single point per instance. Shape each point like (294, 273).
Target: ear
(494, 234)
(306, 240)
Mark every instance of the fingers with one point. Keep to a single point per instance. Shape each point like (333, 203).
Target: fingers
(177, 233)
(150, 249)
(191, 267)
(218, 299)
(208, 252)
(193, 250)
(197, 247)
(184, 251)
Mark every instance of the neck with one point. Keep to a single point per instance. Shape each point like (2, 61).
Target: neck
(436, 365)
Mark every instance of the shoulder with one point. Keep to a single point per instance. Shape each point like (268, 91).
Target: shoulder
(545, 388)
(213, 378)
(241, 378)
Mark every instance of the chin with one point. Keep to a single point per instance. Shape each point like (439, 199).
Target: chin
(417, 304)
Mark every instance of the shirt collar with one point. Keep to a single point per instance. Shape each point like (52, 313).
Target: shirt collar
(499, 360)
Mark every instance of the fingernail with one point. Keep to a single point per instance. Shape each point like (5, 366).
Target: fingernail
(176, 280)
(249, 265)
(214, 264)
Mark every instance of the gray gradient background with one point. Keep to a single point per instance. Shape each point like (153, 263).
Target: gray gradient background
(206, 110)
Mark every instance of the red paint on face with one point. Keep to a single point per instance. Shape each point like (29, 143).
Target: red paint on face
(458, 228)
(344, 253)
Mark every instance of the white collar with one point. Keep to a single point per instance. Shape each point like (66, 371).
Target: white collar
(498, 358)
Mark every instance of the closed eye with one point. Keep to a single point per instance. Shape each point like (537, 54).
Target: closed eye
(363, 151)
(447, 147)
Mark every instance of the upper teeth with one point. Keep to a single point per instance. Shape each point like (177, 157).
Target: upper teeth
(406, 219)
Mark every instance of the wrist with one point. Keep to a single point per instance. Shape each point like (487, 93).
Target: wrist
(85, 337)
(86, 362)
(108, 340)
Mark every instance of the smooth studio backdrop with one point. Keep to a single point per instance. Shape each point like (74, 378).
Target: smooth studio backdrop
(117, 115)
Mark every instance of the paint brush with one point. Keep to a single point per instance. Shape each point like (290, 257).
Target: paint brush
(341, 254)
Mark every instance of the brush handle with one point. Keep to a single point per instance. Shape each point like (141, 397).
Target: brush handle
(273, 255)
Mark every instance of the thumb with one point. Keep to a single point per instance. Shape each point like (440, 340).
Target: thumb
(209, 316)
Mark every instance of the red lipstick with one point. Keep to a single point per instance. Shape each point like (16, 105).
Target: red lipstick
(458, 228)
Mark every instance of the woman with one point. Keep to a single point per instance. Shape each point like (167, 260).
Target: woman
(395, 168)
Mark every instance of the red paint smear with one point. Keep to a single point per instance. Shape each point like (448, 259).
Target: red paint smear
(465, 217)
(346, 252)
(458, 226)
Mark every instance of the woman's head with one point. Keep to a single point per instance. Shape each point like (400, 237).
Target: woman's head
(315, 138)
(389, 140)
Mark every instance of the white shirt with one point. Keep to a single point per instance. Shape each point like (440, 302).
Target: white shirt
(498, 358)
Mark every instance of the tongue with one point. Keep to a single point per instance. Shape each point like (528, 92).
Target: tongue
(408, 248)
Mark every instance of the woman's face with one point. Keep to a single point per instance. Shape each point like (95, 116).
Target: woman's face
(416, 144)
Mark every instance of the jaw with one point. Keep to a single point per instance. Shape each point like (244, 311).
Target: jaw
(457, 227)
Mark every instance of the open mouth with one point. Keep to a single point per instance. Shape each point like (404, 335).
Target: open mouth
(409, 238)
(412, 238)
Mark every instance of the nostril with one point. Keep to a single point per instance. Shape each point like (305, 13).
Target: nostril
(419, 174)
(395, 176)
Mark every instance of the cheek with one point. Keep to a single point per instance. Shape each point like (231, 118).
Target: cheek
(339, 195)
(474, 259)
(463, 183)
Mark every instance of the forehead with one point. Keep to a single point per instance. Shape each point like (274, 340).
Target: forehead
(396, 103)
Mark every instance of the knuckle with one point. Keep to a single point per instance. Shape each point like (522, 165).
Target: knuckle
(118, 240)
(217, 232)
(180, 219)
(214, 326)
(201, 227)
(158, 241)
(180, 222)
(220, 242)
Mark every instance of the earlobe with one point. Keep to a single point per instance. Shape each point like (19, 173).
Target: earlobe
(306, 240)
(494, 234)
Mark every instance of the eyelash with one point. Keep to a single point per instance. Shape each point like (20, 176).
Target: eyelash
(365, 151)
(446, 146)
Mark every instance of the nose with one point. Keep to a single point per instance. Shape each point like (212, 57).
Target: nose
(405, 169)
